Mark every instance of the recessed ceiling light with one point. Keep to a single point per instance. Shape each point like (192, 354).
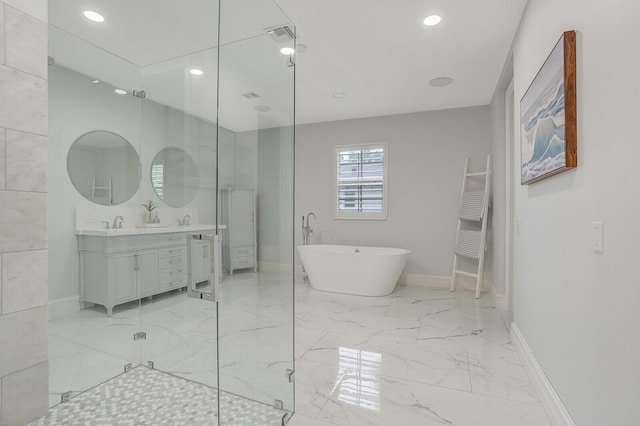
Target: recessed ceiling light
(287, 51)
(262, 108)
(440, 81)
(120, 92)
(93, 16)
(339, 95)
(196, 71)
(95, 81)
(432, 20)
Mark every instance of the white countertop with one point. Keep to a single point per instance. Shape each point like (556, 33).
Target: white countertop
(146, 231)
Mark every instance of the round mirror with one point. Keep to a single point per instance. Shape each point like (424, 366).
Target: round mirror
(174, 176)
(104, 167)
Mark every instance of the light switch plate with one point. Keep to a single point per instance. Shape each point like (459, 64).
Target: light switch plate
(598, 237)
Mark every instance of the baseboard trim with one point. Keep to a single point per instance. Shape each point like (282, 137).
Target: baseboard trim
(65, 300)
(499, 299)
(557, 412)
(434, 281)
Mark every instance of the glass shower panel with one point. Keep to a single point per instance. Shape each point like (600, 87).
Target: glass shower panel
(256, 104)
(178, 128)
(94, 178)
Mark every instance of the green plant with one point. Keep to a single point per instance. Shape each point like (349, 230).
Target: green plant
(150, 206)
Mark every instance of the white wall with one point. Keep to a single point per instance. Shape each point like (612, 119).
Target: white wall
(577, 309)
(426, 154)
(77, 107)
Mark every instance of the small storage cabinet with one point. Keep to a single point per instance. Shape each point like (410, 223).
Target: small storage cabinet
(239, 215)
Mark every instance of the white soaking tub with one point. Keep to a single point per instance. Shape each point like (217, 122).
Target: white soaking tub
(364, 271)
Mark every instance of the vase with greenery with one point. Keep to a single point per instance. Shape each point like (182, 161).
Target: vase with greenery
(149, 206)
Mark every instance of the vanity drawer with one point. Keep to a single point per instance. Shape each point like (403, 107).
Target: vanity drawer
(241, 251)
(172, 252)
(242, 262)
(172, 238)
(172, 262)
(173, 274)
(171, 282)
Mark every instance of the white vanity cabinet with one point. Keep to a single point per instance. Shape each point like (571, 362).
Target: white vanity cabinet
(120, 269)
(239, 214)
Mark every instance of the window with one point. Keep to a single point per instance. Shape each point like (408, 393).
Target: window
(157, 177)
(361, 181)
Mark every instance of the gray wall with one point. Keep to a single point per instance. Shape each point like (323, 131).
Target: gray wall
(23, 211)
(578, 309)
(426, 154)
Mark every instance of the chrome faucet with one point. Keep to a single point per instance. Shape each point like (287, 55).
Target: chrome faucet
(186, 220)
(117, 222)
(306, 229)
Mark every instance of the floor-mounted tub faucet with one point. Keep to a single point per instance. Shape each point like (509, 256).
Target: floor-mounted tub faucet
(306, 229)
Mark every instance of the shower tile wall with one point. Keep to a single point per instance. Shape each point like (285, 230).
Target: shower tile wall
(23, 211)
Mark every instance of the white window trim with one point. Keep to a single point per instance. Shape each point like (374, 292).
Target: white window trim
(385, 183)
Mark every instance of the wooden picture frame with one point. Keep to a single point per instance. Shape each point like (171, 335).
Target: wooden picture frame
(548, 127)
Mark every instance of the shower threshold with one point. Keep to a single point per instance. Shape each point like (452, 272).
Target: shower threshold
(144, 396)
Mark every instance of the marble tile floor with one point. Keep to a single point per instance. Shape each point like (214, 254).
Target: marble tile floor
(416, 357)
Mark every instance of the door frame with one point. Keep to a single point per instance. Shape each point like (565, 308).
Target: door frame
(509, 111)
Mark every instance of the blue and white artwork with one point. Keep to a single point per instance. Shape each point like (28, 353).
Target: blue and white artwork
(542, 120)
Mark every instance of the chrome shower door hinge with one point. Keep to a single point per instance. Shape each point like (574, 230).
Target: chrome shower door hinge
(278, 404)
(140, 335)
(128, 367)
(290, 375)
(65, 397)
(286, 418)
(150, 364)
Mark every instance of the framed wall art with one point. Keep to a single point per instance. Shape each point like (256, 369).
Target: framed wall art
(548, 130)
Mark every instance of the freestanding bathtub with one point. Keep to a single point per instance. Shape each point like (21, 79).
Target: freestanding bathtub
(364, 271)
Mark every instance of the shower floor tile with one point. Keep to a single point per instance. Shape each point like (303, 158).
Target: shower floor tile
(149, 397)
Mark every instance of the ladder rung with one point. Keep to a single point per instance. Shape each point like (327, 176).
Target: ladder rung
(476, 174)
(468, 274)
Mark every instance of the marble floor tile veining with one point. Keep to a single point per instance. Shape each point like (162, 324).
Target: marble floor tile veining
(419, 356)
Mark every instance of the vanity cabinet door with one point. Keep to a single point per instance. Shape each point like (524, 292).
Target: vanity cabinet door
(124, 277)
(148, 274)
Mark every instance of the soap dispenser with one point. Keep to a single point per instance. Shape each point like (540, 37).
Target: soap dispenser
(156, 219)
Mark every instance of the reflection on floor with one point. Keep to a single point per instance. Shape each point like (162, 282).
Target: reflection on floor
(416, 357)
(148, 397)
(255, 324)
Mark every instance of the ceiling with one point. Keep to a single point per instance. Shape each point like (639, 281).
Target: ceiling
(378, 53)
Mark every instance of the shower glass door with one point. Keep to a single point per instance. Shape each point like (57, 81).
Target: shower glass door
(256, 106)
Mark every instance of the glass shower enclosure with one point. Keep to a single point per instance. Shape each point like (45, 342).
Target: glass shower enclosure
(171, 201)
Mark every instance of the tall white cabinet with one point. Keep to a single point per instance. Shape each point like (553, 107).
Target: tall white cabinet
(239, 215)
